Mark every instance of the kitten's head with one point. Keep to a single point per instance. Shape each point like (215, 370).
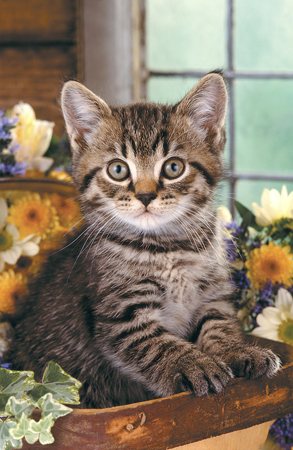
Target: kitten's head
(146, 166)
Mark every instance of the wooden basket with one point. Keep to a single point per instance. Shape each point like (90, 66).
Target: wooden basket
(237, 419)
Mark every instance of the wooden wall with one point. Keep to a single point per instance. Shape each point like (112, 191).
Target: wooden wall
(40, 47)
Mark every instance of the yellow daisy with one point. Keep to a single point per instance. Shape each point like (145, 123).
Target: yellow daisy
(270, 262)
(12, 286)
(60, 175)
(67, 209)
(33, 215)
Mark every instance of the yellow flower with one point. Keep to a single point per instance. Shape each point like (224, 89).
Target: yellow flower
(11, 248)
(67, 209)
(32, 136)
(12, 286)
(60, 175)
(31, 214)
(270, 262)
(275, 206)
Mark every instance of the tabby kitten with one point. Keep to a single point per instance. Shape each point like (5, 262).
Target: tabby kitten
(137, 305)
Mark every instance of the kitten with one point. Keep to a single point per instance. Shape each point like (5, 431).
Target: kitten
(137, 306)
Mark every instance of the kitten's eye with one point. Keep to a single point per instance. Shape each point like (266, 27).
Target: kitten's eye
(173, 168)
(118, 170)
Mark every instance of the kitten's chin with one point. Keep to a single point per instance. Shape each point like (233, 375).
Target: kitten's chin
(147, 221)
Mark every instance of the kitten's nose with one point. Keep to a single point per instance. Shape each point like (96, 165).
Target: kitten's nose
(146, 198)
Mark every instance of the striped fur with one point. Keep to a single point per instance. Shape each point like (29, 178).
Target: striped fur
(138, 305)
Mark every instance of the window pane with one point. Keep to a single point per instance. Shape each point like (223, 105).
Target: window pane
(263, 35)
(222, 196)
(186, 34)
(264, 125)
(248, 191)
(169, 89)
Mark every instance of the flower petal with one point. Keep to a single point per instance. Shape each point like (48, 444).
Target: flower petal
(272, 315)
(12, 229)
(12, 255)
(265, 333)
(284, 300)
(41, 163)
(30, 249)
(263, 322)
(2, 263)
(3, 212)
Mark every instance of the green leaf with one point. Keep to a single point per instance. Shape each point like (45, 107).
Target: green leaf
(248, 218)
(24, 429)
(241, 209)
(16, 407)
(14, 383)
(43, 428)
(50, 406)
(62, 386)
(7, 442)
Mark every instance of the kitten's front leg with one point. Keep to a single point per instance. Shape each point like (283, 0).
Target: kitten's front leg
(161, 362)
(218, 334)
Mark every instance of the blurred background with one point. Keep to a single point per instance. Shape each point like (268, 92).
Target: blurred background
(127, 50)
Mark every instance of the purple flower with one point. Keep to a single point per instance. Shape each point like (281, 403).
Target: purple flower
(282, 432)
(5, 124)
(10, 169)
(240, 279)
(5, 365)
(18, 169)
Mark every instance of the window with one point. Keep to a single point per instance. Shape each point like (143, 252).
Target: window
(252, 43)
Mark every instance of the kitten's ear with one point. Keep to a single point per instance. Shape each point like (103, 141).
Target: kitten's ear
(83, 111)
(206, 106)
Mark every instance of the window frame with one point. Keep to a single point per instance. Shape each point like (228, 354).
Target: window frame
(230, 74)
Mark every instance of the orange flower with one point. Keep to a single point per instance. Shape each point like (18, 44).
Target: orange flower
(270, 262)
(12, 286)
(67, 209)
(33, 215)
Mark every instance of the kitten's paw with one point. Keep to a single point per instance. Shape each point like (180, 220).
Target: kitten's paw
(253, 362)
(201, 375)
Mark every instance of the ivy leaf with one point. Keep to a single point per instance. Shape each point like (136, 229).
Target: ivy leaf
(16, 407)
(62, 386)
(14, 383)
(43, 429)
(50, 406)
(248, 218)
(23, 429)
(7, 442)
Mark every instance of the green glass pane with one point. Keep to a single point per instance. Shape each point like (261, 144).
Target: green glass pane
(264, 125)
(186, 34)
(263, 35)
(222, 196)
(169, 89)
(248, 191)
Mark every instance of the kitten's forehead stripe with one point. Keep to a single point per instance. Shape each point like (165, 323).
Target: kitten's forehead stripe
(144, 126)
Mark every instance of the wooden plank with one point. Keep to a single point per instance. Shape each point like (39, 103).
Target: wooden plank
(35, 75)
(37, 21)
(181, 419)
(252, 438)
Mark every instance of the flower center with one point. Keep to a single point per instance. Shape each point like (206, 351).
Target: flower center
(285, 331)
(6, 240)
(32, 215)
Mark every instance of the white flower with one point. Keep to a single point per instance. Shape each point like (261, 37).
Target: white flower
(10, 247)
(224, 214)
(276, 323)
(32, 136)
(275, 206)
